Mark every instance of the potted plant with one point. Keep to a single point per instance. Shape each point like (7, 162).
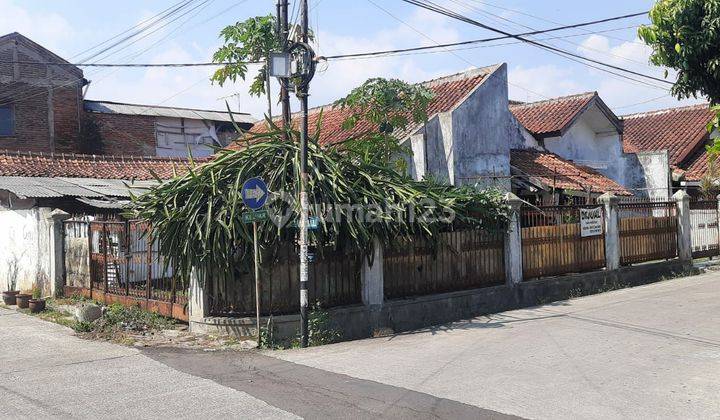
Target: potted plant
(10, 294)
(37, 303)
(22, 300)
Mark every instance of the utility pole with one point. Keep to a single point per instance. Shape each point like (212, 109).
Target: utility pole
(301, 54)
(284, 94)
(302, 94)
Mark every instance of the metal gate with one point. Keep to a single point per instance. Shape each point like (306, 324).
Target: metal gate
(124, 267)
(704, 228)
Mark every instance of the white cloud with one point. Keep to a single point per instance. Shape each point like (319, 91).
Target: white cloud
(48, 29)
(547, 81)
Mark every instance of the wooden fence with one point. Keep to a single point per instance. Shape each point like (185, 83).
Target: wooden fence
(334, 281)
(461, 260)
(704, 228)
(648, 231)
(552, 241)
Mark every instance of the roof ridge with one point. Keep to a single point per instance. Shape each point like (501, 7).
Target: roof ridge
(465, 74)
(705, 105)
(162, 106)
(556, 99)
(93, 157)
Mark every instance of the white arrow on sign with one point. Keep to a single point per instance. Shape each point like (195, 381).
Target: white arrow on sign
(256, 194)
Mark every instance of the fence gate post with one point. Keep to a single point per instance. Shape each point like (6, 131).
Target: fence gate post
(513, 242)
(612, 231)
(682, 199)
(198, 304)
(371, 278)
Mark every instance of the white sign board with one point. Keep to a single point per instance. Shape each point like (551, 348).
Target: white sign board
(591, 222)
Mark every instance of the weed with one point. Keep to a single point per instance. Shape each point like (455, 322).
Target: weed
(320, 329)
(83, 327)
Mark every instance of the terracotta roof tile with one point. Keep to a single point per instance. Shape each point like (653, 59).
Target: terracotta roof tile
(550, 169)
(696, 165)
(548, 118)
(677, 130)
(449, 91)
(87, 166)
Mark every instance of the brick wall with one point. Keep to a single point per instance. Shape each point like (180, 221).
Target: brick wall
(126, 134)
(67, 110)
(32, 122)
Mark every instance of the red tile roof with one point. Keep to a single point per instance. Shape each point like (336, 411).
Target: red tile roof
(549, 118)
(86, 166)
(552, 170)
(680, 131)
(696, 165)
(449, 92)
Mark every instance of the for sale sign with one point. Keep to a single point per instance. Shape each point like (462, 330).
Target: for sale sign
(591, 222)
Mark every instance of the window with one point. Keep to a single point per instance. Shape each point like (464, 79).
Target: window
(7, 120)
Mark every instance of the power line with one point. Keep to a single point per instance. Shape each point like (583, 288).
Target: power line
(355, 55)
(429, 5)
(421, 33)
(471, 47)
(483, 40)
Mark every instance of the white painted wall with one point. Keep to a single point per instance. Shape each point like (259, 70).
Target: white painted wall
(471, 143)
(175, 135)
(25, 246)
(601, 151)
(656, 174)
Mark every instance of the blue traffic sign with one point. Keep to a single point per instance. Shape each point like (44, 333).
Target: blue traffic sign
(254, 193)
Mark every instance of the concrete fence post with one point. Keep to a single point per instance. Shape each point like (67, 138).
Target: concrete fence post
(612, 231)
(371, 278)
(56, 251)
(198, 307)
(513, 242)
(684, 230)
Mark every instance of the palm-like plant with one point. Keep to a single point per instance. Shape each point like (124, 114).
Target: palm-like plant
(197, 217)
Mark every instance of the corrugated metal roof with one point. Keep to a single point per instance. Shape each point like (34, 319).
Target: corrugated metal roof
(110, 187)
(43, 187)
(105, 204)
(163, 111)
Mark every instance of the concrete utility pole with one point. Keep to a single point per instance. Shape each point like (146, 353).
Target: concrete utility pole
(302, 94)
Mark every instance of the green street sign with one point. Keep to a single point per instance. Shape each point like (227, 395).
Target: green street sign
(255, 216)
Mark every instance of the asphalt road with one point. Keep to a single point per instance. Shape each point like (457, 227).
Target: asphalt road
(647, 352)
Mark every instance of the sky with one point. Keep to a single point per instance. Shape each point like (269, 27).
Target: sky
(71, 28)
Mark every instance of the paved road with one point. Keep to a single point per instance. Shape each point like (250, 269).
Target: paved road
(46, 372)
(652, 351)
(646, 352)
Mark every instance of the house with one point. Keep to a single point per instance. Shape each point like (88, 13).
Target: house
(471, 137)
(680, 135)
(582, 128)
(38, 192)
(43, 109)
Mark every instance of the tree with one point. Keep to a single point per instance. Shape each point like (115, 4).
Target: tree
(684, 35)
(387, 106)
(249, 41)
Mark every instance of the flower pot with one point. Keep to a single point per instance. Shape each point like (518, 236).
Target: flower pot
(36, 305)
(9, 297)
(22, 300)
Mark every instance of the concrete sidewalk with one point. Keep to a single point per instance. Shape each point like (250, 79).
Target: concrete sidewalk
(647, 352)
(46, 372)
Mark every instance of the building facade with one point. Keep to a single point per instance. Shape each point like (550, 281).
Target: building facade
(43, 110)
